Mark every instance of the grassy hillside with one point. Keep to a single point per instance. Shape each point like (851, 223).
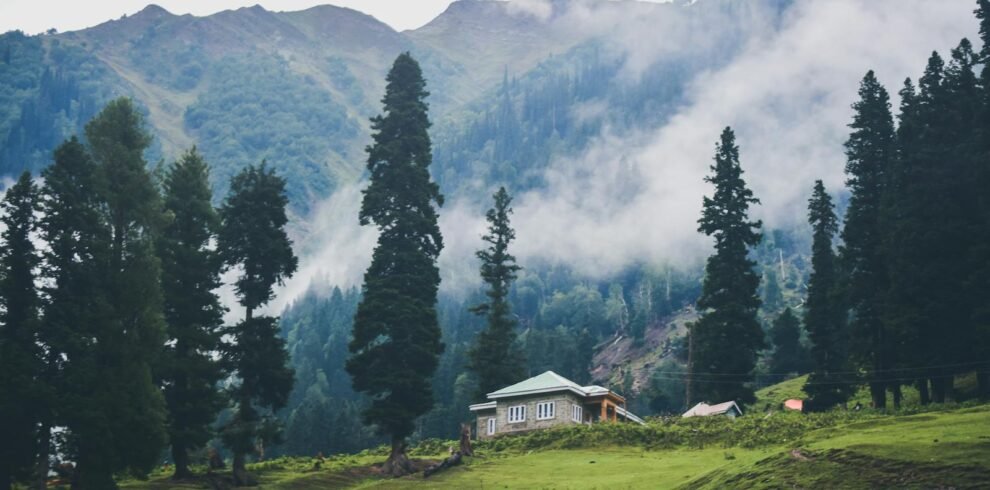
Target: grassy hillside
(936, 449)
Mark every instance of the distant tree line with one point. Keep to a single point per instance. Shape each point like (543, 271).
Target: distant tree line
(112, 340)
(903, 302)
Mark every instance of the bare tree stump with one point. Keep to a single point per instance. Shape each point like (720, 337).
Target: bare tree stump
(466, 440)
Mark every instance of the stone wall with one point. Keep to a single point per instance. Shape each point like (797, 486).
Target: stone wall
(562, 414)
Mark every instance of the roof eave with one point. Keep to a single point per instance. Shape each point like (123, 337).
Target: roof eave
(477, 407)
(496, 395)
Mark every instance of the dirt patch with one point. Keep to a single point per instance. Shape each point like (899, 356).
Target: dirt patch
(620, 353)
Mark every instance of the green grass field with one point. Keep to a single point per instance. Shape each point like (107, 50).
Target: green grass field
(946, 448)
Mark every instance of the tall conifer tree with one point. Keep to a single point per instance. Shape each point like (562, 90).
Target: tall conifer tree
(114, 412)
(190, 274)
(979, 255)
(901, 211)
(21, 367)
(823, 316)
(396, 343)
(252, 237)
(869, 152)
(495, 358)
(789, 356)
(69, 226)
(728, 336)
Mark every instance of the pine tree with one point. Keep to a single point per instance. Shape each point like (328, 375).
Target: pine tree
(727, 337)
(952, 200)
(21, 363)
(900, 212)
(110, 285)
(773, 297)
(190, 274)
(827, 384)
(69, 226)
(979, 254)
(396, 343)
(252, 237)
(789, 356)
(929, 213)
(869, 152)
(495, 358)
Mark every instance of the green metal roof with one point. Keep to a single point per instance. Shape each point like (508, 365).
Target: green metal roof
(548, 381)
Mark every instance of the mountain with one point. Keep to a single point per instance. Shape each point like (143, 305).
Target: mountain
(297, 88)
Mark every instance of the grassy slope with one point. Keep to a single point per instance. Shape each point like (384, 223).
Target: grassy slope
(774, 396)
(897, 451)
(935, 449)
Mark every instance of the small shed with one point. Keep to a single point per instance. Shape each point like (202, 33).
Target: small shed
(727, 409)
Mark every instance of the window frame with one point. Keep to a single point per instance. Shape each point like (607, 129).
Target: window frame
(516, 414)
(577, 413)
(491, 426)
(546, 410)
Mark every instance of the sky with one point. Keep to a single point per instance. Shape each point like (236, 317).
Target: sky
(34, 16)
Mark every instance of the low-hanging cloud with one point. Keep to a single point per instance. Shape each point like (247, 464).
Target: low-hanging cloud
(635, 198)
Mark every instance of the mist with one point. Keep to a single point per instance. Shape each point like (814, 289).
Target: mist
(635, 198)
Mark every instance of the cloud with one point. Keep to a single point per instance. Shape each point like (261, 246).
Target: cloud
(333, 248)
(541, 9)
(635, 197)
(632, 198)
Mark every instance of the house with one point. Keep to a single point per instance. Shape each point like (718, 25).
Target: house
(728, 409)
(547, 400)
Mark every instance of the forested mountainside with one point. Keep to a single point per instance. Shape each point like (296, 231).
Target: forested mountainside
(512, 89)
(297, 88)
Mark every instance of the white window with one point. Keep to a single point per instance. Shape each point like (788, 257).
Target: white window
(577, 413)
(517, 414)
(491, 426)
(545, 410)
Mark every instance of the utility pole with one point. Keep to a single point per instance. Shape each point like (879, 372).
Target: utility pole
(690, 368)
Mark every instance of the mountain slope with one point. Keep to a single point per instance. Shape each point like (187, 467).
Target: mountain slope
(296, 88)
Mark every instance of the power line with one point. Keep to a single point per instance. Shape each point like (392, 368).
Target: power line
(812, 383)
(897, 370)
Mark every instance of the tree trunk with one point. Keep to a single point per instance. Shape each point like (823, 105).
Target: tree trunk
(85, 479)
(181, 459)
(938, 389)
(983, 383)
(466, 440)
(241, 476)
(398, 463)
(6, 482)
(923, 394)
(896, 389)
(879, 395)
(41, 471)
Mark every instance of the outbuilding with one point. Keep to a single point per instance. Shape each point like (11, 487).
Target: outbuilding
(727, 409)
